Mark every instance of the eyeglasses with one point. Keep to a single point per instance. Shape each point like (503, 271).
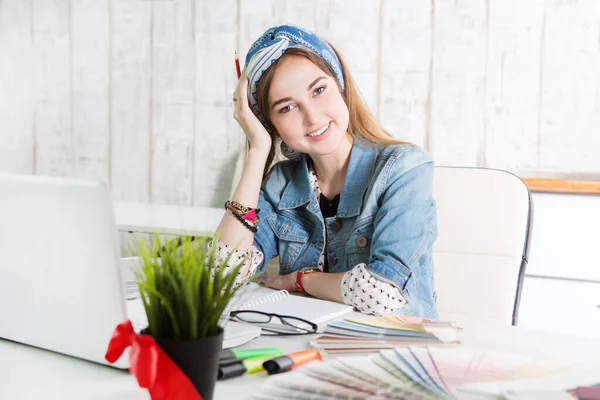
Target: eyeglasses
(283, 325)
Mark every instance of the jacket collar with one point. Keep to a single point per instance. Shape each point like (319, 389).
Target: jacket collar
(299, 191)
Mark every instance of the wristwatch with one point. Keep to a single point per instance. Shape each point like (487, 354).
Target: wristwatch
(300, 277)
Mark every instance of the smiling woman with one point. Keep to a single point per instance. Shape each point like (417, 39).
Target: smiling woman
(311, 119)
(350, 215)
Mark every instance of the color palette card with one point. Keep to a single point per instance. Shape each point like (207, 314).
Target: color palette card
(415, 372)
(352, 336)
(392, 326)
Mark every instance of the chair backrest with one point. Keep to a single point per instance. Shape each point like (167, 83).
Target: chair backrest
(485, 219)
(484, 225)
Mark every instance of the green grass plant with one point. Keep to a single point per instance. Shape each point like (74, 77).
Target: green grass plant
(183, 288)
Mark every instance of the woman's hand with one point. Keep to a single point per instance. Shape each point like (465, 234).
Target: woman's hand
(280, 282)
(257, 135)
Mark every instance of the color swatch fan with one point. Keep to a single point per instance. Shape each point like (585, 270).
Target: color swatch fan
(418, 373)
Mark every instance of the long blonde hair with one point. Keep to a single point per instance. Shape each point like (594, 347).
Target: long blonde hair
(362, 123)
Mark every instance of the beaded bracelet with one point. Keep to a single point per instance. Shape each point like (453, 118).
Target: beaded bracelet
(237, 206)
(246, 215)
(247, 224)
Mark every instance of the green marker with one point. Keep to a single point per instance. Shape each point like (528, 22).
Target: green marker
(243, 367)
(229, 356)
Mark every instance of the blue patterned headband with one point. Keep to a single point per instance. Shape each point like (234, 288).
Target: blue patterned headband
(272, 44)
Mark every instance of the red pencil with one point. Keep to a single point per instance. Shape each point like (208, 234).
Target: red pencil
(237, 65)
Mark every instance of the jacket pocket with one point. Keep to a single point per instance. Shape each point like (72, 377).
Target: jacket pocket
(292, 238)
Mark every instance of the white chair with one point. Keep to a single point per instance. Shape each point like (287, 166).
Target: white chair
(485, 219)
(484, 226)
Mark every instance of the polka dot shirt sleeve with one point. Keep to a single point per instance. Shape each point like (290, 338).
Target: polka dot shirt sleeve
(368, 294)
(255, 258)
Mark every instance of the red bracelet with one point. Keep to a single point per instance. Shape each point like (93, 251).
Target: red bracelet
(300, 277)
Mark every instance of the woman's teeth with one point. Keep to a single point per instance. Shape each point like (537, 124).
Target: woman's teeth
(320, 131)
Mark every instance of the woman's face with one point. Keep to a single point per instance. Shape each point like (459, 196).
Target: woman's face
(307, 108)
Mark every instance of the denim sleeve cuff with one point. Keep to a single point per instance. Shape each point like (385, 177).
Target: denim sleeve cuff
(392, 271)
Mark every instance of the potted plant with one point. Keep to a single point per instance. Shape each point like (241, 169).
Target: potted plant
(185, 293)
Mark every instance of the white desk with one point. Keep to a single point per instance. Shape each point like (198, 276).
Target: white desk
(580, 301)
(61, 377)
(167, 219)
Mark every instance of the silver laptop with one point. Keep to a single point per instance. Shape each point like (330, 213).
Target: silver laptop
(62, 285)
(60, 282)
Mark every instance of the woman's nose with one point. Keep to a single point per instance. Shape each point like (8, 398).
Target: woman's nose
(311, 116)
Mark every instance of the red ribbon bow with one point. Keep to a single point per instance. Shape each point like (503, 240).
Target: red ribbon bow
(151, 366)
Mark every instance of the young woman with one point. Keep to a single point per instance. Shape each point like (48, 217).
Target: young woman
(350, 214)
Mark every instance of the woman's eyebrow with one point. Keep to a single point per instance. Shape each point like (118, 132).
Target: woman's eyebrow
(280, 101)
(313, 83)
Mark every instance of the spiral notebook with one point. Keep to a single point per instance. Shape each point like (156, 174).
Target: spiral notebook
(258, 298)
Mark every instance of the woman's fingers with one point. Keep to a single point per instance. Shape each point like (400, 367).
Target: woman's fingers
(241, 79)
(255, 132)
(242, 97)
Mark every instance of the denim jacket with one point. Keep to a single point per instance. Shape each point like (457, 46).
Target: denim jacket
(386, 219)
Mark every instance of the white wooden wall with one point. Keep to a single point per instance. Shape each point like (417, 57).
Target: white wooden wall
(138, 92)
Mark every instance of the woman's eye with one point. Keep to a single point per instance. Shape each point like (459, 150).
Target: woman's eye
(286, 109)
(319, 90)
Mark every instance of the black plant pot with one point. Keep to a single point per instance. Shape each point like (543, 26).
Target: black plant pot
(198, 359)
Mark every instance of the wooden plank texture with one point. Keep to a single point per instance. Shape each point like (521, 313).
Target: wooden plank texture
(218, 138)
(405, 69)
(458, 82)
(131, 97)
(562, 186)
(54, 150)
(138, 92)
(90, 83)
(514, 66)
(570, 106)
(351, 24)
(173, 77)
(17, 144)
